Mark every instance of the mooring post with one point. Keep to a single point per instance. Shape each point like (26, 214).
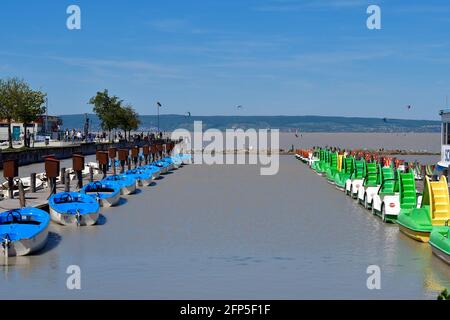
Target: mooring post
(62, 176)
(129, 163)
(11, 188)
(67, 181)
(105, 170)
(91, 174)
(33, 182)
(80, 179)
(21, 194)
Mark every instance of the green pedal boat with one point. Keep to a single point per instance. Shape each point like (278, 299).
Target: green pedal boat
(440, 242)
(333, 167)
(356, 179)
(418, 223)
(340, 178)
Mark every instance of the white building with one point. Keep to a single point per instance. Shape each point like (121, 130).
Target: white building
(44, 126)
(445, 139)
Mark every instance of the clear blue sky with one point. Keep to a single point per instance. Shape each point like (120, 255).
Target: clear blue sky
(288, 57)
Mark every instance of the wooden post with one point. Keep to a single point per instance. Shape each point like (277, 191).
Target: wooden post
(105, 170)
(52, 184)
(67, 182)
(11, 188)
(21, 194)
(91, 174)
(62, 176)
(80, 179)
(129, 163)
(33, 182)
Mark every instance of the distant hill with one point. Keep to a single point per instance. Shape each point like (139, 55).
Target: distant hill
(284, 123)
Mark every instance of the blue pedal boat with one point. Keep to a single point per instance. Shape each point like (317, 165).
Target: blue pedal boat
(174, 162)
(127, 183)
(143, 177)
(23, 231)
(164, 166)
(73, 209)
(107, 193)
(154, 170)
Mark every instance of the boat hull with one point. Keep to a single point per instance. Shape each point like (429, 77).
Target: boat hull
(67, 219)
(27, 246)
(109, 201)
(144, 182)
(127, 190)
(440, 253)
(421, 236)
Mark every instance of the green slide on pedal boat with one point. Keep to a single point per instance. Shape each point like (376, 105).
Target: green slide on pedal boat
(348, 166)
(333, 167)
(323, 164)
(434, 211)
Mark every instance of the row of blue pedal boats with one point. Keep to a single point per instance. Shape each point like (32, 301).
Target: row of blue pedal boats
(25, 231)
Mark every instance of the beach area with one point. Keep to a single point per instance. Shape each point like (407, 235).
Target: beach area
(226, 232)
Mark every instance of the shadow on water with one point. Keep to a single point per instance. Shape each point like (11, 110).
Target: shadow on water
(138, 191)
(53, 241)
(121, 202)
(152, 184)
(161, 177)
(101, 220)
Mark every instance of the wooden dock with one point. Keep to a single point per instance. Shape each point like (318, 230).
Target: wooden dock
(39, 199)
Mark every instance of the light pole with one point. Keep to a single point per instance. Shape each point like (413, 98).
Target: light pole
(158, 105)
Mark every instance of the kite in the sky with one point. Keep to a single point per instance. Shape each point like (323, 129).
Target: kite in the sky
(409, 107)
(188, 114)
(239, 107)
(159, 104)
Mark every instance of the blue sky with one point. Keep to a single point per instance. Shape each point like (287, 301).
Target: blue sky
(274, 57)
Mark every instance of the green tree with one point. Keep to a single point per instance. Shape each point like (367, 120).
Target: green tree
(9, 91)
(128, 120)
(444, 295)
(107, 109)
(30, 107)
(19, 102)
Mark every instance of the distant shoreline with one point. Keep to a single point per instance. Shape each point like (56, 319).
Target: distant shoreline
(302, 124)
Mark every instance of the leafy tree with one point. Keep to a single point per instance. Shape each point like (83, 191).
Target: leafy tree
(107, 109)
(444, 295)
(128, 120)
(9, 91)
(19, 102)
(30, 106)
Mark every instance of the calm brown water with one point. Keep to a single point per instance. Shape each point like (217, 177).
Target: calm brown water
(225, 232)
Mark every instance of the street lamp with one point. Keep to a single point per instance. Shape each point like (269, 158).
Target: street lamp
(158, 105)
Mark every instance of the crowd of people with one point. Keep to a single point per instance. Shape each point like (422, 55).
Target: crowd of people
(77, 136)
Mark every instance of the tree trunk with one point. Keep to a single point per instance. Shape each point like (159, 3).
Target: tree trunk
(9, 134)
